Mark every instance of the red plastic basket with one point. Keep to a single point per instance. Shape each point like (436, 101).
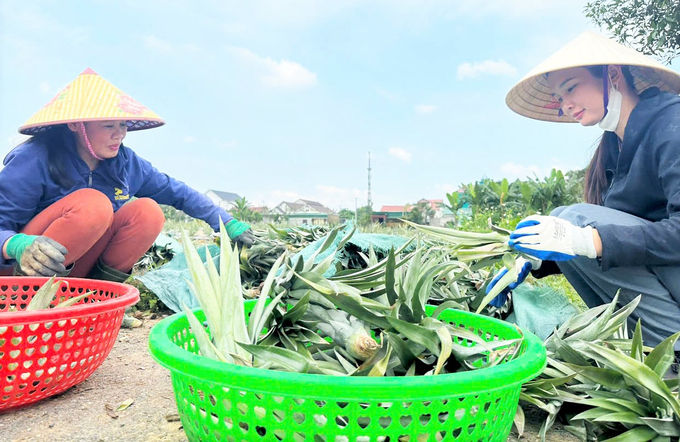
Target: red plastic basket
(45, 352)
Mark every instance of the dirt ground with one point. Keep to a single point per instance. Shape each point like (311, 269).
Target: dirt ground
(129, 373)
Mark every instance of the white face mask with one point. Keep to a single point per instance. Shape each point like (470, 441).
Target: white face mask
(611, 121)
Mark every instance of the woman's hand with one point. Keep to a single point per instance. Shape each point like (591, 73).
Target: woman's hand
(240, 232)
(36, 255)
(522, 267)
(554, 239)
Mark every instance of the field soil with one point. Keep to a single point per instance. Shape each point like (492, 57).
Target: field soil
(130, 376)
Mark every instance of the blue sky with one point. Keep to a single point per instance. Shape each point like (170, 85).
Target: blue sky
(278, 100)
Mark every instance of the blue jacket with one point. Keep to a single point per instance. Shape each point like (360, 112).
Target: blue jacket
(26, 187)
(644, 180)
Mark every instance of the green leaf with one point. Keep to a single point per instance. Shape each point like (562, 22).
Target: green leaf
(591, 414)
(419, 334)
(265, 317)
(443, 307)
(637, 434)
(312, 336)
(459, 237)
(637, 349)
(446, 348)
(519, 421)
(43, 297)
(400, 348)
(205, 345)
(380, 367)
(288, 359)
(257, 318)
(297, 311)
(664, 427)
(627, 417)
(634, 369)
(309, 262)
(355, 307)
(656, 361)
(390, 268)
(506, 280)
(598, 375)
(71, 301)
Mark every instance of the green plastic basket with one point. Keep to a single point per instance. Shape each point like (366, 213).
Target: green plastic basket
(224, 402)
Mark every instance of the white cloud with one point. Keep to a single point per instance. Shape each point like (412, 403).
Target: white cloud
(283, 74)
(489, 67)
(189, 139)
(400, 153)
(45, 87)
(425, 108)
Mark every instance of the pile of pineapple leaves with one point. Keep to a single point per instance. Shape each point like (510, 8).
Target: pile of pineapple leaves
(382, 320)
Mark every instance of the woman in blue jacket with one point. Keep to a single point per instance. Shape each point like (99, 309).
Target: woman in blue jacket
(627, 235)
(66, 202)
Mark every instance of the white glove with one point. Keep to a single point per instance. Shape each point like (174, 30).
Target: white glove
(552, 239)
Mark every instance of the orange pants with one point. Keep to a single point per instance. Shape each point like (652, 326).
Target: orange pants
(84, 223)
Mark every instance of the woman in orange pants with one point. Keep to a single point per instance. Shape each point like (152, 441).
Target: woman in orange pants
(75, 200)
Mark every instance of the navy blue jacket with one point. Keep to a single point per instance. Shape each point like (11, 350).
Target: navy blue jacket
(644, 180)
(26, 187)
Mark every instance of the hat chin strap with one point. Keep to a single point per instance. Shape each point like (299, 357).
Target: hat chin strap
(605, 87)
(87, 142)
(613, 100)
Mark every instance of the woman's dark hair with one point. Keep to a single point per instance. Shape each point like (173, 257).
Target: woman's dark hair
(595, 182)
(58, 139)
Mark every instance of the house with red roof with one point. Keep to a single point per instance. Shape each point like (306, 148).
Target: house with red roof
(393, 214)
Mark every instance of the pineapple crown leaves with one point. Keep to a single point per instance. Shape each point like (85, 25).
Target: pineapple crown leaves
(220, 295)
(45, 294)
(634, 370)
(201, 286)
(261, 314)
(205, 345)
(598, 323)
(459, 238)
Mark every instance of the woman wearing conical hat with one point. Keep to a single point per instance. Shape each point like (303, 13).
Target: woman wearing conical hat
(66, 193)
(627, 234)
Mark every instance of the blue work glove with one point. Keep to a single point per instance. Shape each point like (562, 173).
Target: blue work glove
(36, 255)
(523, 267)
(552, 239)
(240, 232)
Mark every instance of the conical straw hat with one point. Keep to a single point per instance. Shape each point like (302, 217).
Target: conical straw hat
(532, 97)
(90, 98)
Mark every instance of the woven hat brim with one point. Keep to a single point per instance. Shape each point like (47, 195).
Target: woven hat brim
(91, 98)
(531, 96)
(131, 124)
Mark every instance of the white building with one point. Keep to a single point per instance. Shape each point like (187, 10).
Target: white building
(225, 200)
